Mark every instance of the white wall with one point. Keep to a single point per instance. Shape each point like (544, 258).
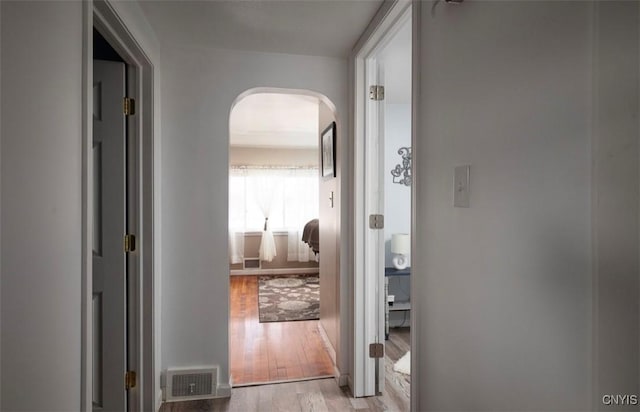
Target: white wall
(41, 198)
(615, 200)
(134, 19)
(251, 249)
(503, 289)
(203, 85)
(0, 207)
(273, 156)
(329, 244)
(397, 197)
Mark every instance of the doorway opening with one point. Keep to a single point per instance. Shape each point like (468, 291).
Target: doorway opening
(383, 209)
(112, 274)
(118, 303)
(279, 296)
(394, 73)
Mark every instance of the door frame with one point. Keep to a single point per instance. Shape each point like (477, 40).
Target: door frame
(368, 293)
(416, 22)
(141, 207)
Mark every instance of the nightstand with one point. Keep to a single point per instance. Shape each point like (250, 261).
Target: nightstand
(396, 306)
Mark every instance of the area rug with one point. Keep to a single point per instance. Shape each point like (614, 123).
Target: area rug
(283, 298)
(404, 364)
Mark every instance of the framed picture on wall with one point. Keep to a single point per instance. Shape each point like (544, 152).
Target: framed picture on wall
(328, 149)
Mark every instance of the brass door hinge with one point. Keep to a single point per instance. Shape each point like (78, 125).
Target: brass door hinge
(129, 106)
(129, 380)
(376, 93)
(129, 243)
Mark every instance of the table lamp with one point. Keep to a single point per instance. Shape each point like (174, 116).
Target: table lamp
(400, 247)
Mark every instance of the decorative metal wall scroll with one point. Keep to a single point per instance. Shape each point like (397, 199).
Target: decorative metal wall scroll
(402, 172)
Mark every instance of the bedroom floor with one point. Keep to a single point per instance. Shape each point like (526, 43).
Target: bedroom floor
(273, 351)
(397, 389)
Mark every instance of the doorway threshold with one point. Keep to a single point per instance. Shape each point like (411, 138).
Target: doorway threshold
(313, 378)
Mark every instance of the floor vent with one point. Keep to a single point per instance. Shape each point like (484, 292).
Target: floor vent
(252, 263)
(191, 384)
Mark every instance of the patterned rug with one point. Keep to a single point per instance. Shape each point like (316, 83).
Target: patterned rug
(283, 298)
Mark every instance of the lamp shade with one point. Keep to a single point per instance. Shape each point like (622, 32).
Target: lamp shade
(400, 243)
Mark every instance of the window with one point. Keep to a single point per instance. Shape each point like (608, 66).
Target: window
(288, 196)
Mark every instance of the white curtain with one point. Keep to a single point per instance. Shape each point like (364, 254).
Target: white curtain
(297, 250)
(265, 186)
(236, 245)
(283, 198)
(237, 220)
(301, 204)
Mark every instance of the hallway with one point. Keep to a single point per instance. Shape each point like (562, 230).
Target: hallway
(322, 395)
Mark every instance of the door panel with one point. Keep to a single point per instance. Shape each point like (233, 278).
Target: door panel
(374, 239)
(109, 260)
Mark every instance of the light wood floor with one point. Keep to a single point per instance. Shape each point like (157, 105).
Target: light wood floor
(272, 351)
(397, 389)
(320, 395)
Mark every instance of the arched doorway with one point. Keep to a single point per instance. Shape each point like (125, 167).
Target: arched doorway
(284, 297)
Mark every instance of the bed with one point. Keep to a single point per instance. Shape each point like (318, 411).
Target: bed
(310, 235)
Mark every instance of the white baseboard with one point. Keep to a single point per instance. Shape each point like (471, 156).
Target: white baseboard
(223, 390)
(344, 380)
(283, 271)
(341, 379)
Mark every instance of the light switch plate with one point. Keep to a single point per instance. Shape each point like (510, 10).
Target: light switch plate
(461, 186)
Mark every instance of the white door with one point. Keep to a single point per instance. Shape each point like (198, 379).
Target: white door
(374, 204)
(109, 259)
(370, 171)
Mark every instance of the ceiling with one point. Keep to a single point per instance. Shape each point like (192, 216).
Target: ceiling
(275, 120)
(309, 27)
